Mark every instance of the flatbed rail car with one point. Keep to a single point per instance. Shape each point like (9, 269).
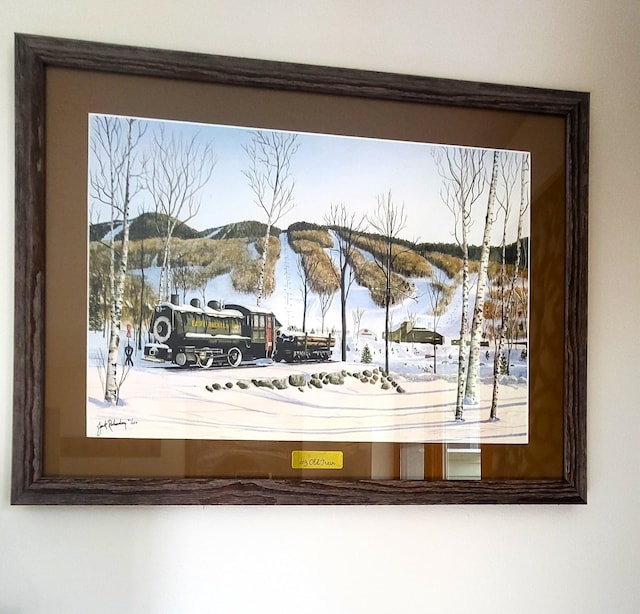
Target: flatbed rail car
(192, 335)
(295, 346)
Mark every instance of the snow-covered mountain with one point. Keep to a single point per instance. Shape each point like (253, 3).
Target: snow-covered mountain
(286, 300)
(416, 359)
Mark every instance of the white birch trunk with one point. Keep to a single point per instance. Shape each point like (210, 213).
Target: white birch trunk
(164, 289)
(387, 302)
(111, 380)
(464, 326)
(110, 391)
(163, 285)
(263, 265)
(471, 394)
(493, 415)
(111, 388)
(117, 284)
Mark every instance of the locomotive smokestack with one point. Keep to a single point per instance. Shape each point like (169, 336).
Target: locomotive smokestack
(175, 299)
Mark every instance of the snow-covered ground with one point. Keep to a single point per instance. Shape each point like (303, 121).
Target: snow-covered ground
(163, 401)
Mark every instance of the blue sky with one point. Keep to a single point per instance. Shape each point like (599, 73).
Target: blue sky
(328, 170)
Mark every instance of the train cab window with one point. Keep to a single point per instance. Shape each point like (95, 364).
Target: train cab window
(257, 330)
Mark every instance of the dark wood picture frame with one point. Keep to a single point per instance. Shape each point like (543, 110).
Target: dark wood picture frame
(35, 56)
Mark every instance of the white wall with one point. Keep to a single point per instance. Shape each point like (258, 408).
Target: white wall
(359, 559)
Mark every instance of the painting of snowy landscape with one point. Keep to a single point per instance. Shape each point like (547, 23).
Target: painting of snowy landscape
(250, 284)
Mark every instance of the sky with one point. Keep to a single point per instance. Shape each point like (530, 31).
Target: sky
(327, 170)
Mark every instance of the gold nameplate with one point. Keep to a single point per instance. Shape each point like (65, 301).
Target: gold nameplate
(309, 459)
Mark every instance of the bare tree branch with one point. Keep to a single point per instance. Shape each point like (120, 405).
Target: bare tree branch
(270, 180)
(462, 173)
(176, 174)
(388, 220)
(347, 226)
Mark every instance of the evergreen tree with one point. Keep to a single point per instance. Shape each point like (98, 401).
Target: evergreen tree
(366, 355)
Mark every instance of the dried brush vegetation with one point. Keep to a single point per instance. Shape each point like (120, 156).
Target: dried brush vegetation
(518, 300)
(406, 261)
(246, 270)
(319, 236)
(372, 277)
(320, 272)
(144, 253)
(216, 256)
(451, 265)
(194, 252)
(445, 291)
(494, 273)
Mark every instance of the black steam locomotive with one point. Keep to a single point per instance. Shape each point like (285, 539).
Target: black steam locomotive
(216, 334)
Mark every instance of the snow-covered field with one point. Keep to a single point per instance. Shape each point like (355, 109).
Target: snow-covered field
(163, 401)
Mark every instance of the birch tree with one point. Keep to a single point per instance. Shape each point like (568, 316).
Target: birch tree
(471, 392)
(176, 174)
(270, 180)
(507, 297)
(463, 181)
(114, 182)
(347, 227)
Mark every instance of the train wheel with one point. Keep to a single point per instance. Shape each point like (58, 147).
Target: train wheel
(162, 329)
(207, 363)
(234, 357)
(181, 359)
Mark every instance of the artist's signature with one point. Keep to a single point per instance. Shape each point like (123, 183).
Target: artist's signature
(317, 463)
(114, 424)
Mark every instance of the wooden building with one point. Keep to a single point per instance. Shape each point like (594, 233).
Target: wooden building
(414, 334)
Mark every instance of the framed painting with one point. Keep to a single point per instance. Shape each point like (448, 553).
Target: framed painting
(251, 282)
